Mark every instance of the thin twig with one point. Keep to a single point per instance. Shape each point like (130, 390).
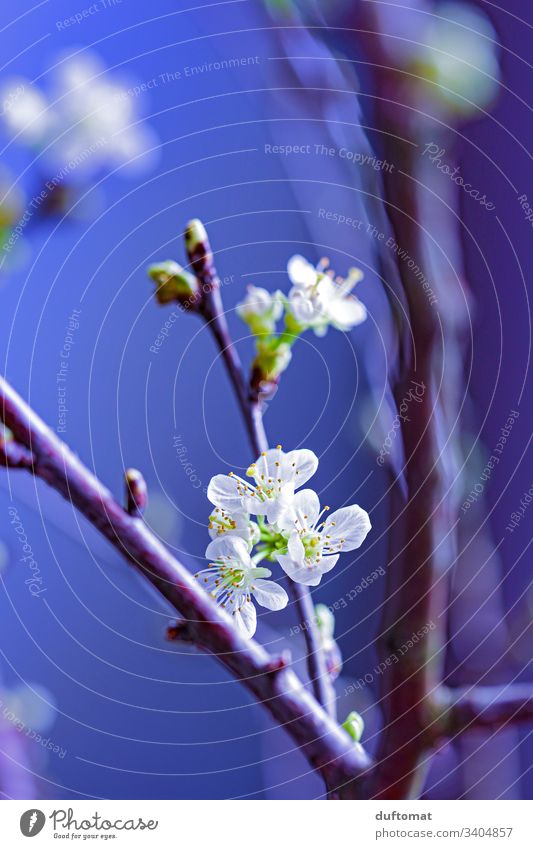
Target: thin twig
(326, 746)
(316, 661)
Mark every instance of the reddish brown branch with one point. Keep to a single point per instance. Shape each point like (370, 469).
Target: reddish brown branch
(409, 606)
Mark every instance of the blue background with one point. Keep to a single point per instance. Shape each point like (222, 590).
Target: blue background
(140, 718)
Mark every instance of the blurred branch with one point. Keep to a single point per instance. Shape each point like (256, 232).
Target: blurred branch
(423, 544)
(488, 708)
(408, 594)
(326, 746)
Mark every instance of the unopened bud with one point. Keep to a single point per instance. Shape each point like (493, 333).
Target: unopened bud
(272, 360)
(354, 725)
(136, 493)
(325, 620)
(260, 310)
(195, 234)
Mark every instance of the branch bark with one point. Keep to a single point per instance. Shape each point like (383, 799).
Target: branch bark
(327, 747)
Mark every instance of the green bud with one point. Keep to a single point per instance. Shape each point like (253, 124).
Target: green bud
(173, 282)
(260, 310)
(354, 725)
(325, 620)
(293, 326)
(195, 234)
(272, 358)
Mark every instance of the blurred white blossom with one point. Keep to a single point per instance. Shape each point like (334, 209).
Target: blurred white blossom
(457, 58)
(88, 119)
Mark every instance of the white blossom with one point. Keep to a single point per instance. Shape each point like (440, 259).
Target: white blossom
(85, 121)
(232, 579)
(239, 525)
(25, 110)
(261, 304)
(318, 299)
(313, 546)
(274, 478)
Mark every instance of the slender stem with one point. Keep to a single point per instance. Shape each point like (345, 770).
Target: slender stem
(213, 313)
(211, 308)
(316, 662)
(326, 746)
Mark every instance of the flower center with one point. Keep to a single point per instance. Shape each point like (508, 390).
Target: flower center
(221, 521)
(312, 546)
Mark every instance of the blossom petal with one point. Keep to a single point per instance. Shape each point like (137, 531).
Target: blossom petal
(280, 505)
(301, 272)
(303, 511)
(347, 527)
(327, 563)
(303, 464)
(270, 467)
(246, 619)
(223, 491)
(300, 574)
(240, 526)
(307, 505)
(269, 594)
(296, 549)
(345, 313)
(229, 549)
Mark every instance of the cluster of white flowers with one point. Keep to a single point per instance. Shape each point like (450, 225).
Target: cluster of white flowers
(85, 121)
(316, 300)
(288, 528)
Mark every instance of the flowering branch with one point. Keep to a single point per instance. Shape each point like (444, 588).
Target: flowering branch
(201, 293)
(327, 747)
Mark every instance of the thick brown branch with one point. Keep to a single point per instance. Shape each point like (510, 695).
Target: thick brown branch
(326, 746)
(409, 607)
